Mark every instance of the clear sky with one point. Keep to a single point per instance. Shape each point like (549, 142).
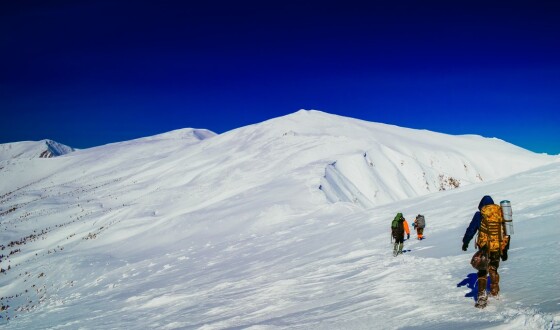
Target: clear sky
(86, 73)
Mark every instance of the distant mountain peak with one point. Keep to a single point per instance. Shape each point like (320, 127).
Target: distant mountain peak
(33, 149)
(55, 149)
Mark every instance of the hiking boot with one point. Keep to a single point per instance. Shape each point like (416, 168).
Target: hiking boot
(481, 302)
(482, 297)
(494, 281)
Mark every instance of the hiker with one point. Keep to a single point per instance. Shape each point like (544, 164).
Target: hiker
(399, 227)
(419, 224)
(492, 241)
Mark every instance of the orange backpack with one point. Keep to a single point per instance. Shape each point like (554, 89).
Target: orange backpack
(491, 234)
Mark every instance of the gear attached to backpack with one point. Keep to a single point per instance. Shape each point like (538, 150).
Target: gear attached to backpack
(491, 235)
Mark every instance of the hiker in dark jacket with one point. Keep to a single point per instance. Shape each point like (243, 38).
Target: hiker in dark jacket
(399, 233)
(494, 257)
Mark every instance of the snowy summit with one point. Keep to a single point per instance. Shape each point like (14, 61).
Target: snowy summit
(283, 224)
(33, 149)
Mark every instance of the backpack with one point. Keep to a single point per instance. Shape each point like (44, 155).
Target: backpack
(491, 235)
(420, 221)
(395, 223)
(397, 229)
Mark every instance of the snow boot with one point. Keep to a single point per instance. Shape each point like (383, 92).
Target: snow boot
(482, 297)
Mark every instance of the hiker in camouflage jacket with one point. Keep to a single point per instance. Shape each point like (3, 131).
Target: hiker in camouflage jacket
(494, 256)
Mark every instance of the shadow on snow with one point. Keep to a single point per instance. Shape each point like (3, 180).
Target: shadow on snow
(471, 281)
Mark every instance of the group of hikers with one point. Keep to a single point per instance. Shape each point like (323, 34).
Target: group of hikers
(492, 243)
(399, 228)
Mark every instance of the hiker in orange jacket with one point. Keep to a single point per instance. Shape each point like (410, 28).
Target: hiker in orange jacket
(406, 230)
(398, 234)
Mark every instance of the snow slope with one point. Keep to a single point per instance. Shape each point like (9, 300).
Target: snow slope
(232, 231)
(33, 149)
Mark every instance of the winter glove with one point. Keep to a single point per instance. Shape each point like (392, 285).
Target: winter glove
(465, 246)
(407, 236)
(504, 255)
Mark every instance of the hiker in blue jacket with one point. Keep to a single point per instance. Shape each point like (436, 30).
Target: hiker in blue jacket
(475, 222)
(494, 257)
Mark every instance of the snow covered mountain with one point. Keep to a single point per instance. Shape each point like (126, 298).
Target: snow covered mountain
(33, 149)
(281, 224)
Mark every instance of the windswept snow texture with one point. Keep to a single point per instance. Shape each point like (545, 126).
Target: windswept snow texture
(232, 232)
(33, 149)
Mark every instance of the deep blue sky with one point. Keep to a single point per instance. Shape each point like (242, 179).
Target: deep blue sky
(86, 73)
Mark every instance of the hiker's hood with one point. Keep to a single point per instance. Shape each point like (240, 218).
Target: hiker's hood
(486, 200)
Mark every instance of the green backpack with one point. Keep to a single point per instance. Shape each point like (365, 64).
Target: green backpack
(396, 220)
